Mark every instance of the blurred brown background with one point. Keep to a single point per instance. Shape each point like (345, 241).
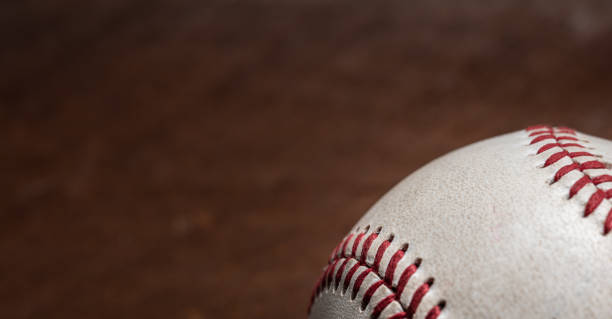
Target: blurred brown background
(200, 159)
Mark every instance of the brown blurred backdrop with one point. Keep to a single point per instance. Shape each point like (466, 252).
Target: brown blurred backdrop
(200, 159)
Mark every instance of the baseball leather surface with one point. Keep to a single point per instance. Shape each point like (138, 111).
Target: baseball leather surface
(515, 226)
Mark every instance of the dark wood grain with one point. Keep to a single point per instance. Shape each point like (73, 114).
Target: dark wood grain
(200, 159)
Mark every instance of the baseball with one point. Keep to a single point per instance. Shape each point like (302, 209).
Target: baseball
(516, 226)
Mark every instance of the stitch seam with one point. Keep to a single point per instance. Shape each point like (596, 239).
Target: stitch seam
(553, 137)
(334, 275)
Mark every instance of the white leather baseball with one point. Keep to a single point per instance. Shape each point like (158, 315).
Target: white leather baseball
(511, 227)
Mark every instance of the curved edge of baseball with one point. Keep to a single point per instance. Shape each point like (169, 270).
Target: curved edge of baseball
(396, 262)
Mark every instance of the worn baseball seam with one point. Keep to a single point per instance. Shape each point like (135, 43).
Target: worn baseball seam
(348, 261)
(558, 141)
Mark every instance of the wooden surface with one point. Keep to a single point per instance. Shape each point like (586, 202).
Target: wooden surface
(200, 159)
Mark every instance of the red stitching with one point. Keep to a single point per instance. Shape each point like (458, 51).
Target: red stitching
(572, 144)
(602, 179)
(340, 272)
(356, 243)
(401, 315)
(539, 133)
(578, 185)
(379, 254)
(382, 305)
(542, 132)
(608, 222)
(555, 157)
(547, 147)
(346, 241)
(335, 251)
(392, 265)
(405, 277)
(349, 276)
(592, 165)
(566, 138)
(435, 311)
(328, 278)
(339, 261)
(417, 297)
(593, 202)
(541, 138)
(359, 281)
(576, 154)
(564, 170)
(368, 295)
(366, 247)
